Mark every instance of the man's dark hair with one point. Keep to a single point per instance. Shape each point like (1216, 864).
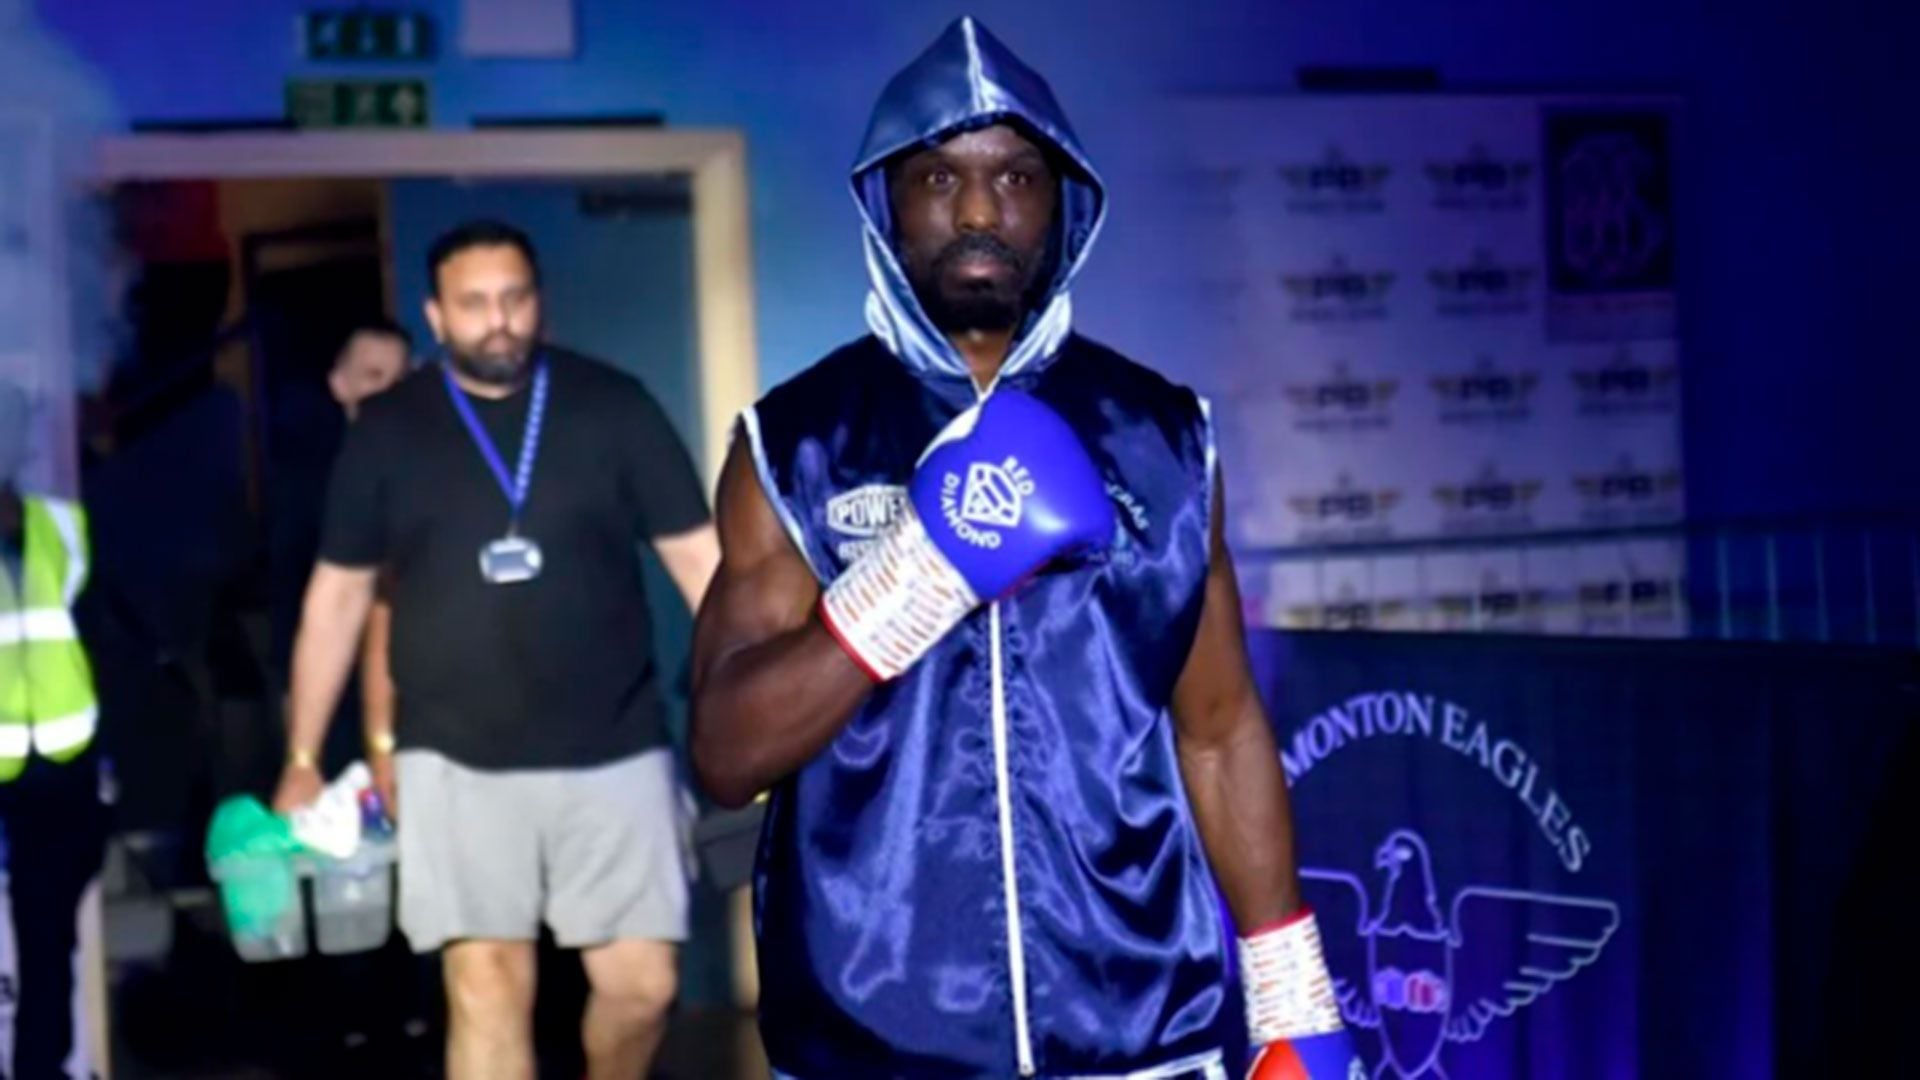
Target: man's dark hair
(482, 232)
(373, 324)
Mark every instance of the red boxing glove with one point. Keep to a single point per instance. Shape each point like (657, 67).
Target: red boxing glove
(1317, 1057)
(1293, 1018)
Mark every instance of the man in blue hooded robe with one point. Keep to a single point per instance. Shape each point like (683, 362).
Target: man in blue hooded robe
(977, 631)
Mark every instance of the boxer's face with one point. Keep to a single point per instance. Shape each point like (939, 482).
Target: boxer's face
(974, 216)
(370, 364)
(486, 312)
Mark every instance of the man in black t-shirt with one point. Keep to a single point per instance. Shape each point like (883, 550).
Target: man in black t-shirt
(502, 494)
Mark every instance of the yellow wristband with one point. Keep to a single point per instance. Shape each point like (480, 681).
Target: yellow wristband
(301, 759)
(380, 742)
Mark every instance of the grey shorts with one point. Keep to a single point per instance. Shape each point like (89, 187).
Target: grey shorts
(596, 853)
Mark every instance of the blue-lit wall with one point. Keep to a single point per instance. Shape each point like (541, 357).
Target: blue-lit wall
(1796, 288)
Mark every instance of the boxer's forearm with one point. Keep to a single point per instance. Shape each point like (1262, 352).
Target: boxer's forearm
(1228, 760)
(770, 686)
(1239, 800)
(767, 709)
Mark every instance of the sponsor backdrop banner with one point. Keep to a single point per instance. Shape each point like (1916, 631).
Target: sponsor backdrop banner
(1439, 317)
(1571, 859)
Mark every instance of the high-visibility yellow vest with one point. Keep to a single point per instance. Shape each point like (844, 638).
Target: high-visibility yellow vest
(47, 703)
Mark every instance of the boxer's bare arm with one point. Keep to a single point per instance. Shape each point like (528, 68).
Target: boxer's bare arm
(1227, 756)
(771, 687)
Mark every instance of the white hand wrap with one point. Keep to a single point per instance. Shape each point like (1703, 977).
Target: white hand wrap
(889, 608)
(1289, 991)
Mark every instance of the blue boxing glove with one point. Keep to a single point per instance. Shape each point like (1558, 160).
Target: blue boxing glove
(1003, 490)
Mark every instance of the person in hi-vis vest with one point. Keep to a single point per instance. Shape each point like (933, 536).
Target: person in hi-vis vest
(50, 808)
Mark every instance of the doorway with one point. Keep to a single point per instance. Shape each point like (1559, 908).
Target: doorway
(646, 263)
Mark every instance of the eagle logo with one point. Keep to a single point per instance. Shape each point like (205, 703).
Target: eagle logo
(1403, 979)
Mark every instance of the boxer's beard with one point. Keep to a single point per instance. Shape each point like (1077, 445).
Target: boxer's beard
(986, 304)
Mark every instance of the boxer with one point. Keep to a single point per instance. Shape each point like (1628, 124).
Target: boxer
(976, 630)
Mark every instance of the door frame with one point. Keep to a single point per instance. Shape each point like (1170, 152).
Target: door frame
(713, 160)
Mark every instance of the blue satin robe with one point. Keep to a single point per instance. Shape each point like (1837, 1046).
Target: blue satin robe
(886, 937)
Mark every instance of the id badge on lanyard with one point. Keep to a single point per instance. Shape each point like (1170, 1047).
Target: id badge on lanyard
(512, 558)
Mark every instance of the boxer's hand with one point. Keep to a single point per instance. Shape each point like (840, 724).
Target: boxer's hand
(1293, 1018)
(1005, 489)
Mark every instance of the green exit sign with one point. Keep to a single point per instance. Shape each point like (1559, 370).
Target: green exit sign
(358, 34)
(357, 103)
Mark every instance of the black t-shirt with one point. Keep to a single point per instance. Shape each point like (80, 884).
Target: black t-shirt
(556, 672)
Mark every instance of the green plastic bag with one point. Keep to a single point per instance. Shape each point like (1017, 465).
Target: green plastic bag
(250, 853)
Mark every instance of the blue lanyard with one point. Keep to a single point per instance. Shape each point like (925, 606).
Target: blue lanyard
(516, 487)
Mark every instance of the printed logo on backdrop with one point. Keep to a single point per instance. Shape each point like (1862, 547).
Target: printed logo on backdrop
(1482, 287)
(1347, 610)
(1218, 300)
(1419, 958)
(1335, 185)
(1620, 604)
(1610, 228)
(1627, 494)
(1624, 387)
(1487, 502)
(1345, 512)
(1211, 191)
(1342, 403)
(862, 515)
(1338, 293)
(1478, 182)
(1485, 395)
(1494, 605)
